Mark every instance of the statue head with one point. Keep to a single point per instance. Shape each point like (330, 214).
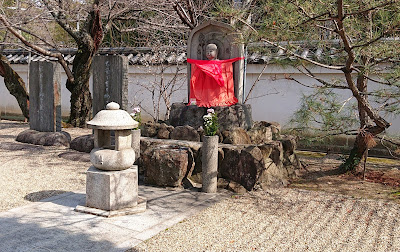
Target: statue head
(212, 52)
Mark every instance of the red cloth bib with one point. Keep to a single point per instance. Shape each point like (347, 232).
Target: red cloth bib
(211, 83)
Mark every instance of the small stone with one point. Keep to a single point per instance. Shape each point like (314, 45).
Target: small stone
(236, 187)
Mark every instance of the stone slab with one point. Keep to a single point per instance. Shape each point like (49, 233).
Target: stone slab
(110, 81)
(140, 207)
(112, 190)
(45, 96)
(53, 225)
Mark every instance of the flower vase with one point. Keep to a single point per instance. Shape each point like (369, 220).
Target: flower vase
(210, 164)
(136, 143)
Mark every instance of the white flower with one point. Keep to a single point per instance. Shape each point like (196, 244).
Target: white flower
(210, 111)
(207, 117)
(136, 110)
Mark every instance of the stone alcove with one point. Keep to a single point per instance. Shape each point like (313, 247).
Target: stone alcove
(229, 46)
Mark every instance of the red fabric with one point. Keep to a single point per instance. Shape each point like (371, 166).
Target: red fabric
(211, 83)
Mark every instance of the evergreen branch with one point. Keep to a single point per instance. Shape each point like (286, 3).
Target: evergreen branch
(301, 57)
(370, 9)
(325, 83)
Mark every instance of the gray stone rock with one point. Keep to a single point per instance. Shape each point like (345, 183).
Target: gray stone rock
(44, 138)
(260, 133)
(236, 136)
(167, 165)
(149, 129)
(83, 143)
(164, 131)
(236, 187)
(185, 133)
(276, 130)
(254, 166)
(289, 144)
(186, 115)
(235, 116)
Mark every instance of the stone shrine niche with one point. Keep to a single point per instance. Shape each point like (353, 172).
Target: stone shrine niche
(229, 46)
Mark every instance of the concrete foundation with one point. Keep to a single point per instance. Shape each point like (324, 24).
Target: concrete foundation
(112, 190)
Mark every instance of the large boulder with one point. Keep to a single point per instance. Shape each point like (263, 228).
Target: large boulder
(236, 136)
(83, 143)
(167, 165)
(235, 116)
(186, 115)
(185, 133)
(44, 138)
(255, 166)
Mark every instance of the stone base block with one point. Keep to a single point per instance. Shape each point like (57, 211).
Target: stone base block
(139, 208)
(112, 190)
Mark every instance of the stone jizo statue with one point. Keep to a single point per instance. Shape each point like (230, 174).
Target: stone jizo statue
(212, 52)
(211, 82)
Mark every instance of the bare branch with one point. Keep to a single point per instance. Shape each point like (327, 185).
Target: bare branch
(255, 82)
(183, 15)
(61, 20)
(41, 50)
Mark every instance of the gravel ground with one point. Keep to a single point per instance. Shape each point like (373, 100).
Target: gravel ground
(281, 219)
(31, 173)
(286, 220)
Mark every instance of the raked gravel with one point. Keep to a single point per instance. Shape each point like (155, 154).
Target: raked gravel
(31, 172)
(286, 220)
(280, 219)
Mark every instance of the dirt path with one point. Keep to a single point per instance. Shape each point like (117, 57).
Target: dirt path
(321, 174)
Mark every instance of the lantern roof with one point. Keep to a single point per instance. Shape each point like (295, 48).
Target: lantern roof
(112, 118)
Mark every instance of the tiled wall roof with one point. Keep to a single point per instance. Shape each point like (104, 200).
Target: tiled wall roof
(257, 54)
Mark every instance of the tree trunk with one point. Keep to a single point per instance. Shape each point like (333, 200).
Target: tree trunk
(81, 98)
(366, 134)
(364, 141)
(88, 42)
(15, 85)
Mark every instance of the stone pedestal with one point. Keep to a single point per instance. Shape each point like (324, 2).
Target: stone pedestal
(210, 164)
(112, 193)
(111, 190)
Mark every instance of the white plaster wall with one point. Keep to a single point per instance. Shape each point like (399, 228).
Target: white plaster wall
(274, 98)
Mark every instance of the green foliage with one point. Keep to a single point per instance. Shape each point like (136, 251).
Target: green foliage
(350, 163)
(321, 112)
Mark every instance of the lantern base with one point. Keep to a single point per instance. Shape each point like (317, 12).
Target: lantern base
(112, 190)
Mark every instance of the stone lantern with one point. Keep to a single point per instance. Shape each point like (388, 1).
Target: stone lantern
(112, 181)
